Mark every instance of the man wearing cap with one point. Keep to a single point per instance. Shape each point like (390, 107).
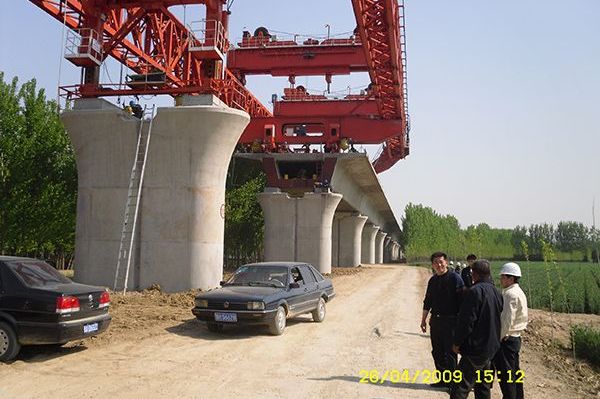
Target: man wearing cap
(513, 323)
(442, 298)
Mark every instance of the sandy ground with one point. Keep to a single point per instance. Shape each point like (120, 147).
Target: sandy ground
(155, 348)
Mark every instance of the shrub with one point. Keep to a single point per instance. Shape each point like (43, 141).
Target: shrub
(587, 343)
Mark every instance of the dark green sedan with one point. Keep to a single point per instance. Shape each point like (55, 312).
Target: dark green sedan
(265, 293)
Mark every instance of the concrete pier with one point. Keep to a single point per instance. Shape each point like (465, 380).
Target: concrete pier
(346, 238)
(299, 228)
(181, 225)
(368, 243)
(379, 241)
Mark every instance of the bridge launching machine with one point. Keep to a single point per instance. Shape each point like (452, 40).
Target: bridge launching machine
(168, 57)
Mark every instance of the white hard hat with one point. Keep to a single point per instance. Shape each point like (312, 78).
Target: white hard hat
(511, 269)
(451, 262)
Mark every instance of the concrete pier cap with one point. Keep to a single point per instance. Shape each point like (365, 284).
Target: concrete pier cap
(179, 244)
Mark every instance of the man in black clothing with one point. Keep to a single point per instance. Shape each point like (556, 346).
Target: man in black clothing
(466, 272)
(442, 298)
(477, 336)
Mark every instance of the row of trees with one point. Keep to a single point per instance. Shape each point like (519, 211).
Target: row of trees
(38, 177)
(571, 241)
(424, 230)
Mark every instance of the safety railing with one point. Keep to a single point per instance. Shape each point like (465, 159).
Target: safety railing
(208, 38)
(83, 46)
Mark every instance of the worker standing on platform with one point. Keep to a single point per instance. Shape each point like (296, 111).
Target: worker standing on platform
(442, 299)
(513, 323)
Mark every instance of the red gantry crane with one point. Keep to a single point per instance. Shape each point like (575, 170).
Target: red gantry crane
(167, 57)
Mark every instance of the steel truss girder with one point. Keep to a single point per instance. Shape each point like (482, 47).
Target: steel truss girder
(158, 44)
(380, 28)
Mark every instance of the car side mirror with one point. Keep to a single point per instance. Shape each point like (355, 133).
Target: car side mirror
(221, 283)
(294, 285)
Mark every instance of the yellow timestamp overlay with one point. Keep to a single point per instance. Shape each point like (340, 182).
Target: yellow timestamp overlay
(395, 376)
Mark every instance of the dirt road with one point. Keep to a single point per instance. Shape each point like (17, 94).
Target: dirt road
(372, 324)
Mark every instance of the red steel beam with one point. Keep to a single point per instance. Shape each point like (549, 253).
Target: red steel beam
(319, 129)
(297, 60)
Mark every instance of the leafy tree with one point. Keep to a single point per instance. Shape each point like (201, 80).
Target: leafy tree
(38, 178)
(571, 236)
(244, 221)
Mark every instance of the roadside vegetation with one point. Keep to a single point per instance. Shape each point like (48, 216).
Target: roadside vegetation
(586, 341)
(423, 229)
(574, 287)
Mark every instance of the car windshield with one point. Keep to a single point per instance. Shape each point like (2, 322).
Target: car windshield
(36, 273)
(273, 276)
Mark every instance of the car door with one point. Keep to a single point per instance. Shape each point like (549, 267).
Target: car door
(1, 288)
(297, 298)
(310, 287)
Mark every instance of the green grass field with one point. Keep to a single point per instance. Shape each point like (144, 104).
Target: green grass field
(572, 287)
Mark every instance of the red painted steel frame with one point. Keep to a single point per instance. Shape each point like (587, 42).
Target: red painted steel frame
(380, 25)
(159, 43)
(146, 37)
(297, 60)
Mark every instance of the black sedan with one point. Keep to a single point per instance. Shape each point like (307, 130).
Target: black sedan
(38, 305)
(265, 293)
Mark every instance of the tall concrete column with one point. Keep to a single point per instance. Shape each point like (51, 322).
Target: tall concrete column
(346, 239)
(393, 252)
(368, 243)
(396, 252)
(335, 238)
(181, 224)
(379, 246)
(388, 249)
(299, 229)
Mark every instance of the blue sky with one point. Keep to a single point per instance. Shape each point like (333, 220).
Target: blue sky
(504, 97)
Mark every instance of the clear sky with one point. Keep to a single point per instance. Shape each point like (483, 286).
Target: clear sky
(504, 97)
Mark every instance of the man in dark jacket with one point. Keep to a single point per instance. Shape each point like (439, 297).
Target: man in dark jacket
(477, 336)
(442, 298)
(466, 272)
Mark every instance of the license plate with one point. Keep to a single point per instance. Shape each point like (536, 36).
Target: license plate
(89, 328)
(226, 317)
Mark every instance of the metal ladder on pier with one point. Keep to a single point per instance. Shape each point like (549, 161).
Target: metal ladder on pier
(133, 201)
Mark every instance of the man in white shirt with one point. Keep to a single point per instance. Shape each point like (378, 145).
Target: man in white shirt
(513, 322)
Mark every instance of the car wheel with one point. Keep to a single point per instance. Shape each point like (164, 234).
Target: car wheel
(278, 323)
(318, 314)
(9, 345)
(214, 327)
